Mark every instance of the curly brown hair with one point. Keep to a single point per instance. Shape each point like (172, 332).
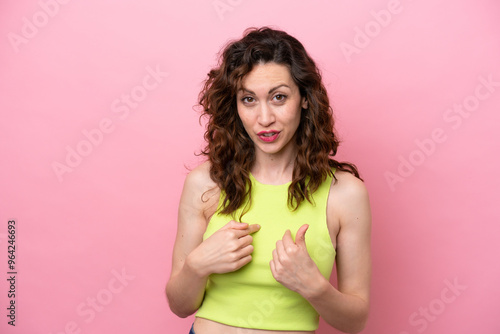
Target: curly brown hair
(230, 150)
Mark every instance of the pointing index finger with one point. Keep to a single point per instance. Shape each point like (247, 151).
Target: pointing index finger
(249, 230)
(253, 228)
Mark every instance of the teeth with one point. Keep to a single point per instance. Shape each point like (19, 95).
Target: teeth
(269, 134)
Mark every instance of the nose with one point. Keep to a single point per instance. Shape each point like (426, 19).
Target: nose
(266, 115)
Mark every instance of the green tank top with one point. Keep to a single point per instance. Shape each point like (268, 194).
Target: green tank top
(250, 297)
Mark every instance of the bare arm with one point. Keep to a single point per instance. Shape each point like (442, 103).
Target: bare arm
(185, 289)
(228, 249)
(345, 308)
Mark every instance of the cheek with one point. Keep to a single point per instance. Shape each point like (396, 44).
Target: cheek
(294, 115)
(247, 123)
(294, 121)
(240, 115)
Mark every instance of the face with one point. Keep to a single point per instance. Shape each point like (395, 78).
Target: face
(269, 105)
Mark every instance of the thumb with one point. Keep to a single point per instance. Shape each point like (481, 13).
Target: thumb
(300, 237)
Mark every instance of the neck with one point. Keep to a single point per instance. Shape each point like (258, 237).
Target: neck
(274, 168)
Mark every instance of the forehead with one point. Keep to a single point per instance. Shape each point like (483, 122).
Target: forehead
(266, 76)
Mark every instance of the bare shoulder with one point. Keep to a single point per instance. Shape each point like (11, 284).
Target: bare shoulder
(199, 178)
(348, 197)
(200, 191)
(346, 184)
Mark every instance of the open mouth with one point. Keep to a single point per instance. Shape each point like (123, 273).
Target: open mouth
(269, 136)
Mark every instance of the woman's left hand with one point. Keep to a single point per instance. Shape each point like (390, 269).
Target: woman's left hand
(292, 266)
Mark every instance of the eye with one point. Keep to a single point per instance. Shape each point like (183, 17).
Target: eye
(247, 99)
(280, 97)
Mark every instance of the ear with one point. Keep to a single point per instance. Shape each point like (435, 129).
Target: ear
(305, 104)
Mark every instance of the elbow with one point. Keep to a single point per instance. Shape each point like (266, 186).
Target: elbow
(179, 310)
(180, 313)
(359, 322)
(357, 328)
(353, 323)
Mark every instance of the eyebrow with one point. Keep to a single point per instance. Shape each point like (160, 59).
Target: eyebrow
(270, 91)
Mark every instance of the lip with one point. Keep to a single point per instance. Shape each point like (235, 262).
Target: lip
(268, 139)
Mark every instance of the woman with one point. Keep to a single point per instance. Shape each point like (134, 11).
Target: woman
(262, 220)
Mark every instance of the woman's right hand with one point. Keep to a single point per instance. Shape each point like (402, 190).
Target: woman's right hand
(227, 250)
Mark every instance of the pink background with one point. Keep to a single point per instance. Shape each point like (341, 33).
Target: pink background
(396, 82)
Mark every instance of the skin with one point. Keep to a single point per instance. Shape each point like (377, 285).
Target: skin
(270, 100)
